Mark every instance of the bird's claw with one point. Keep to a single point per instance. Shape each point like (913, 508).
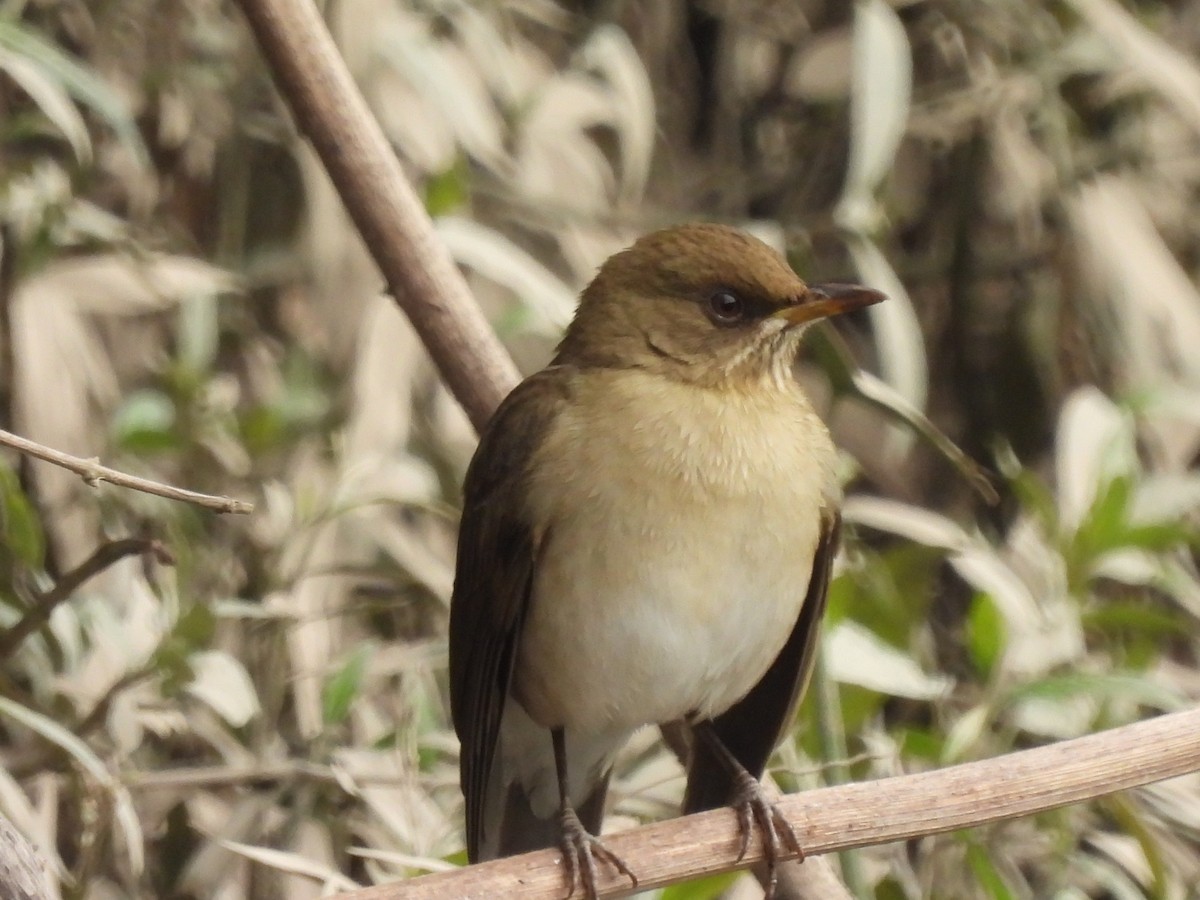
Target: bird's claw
(754, 806)
(580, 851)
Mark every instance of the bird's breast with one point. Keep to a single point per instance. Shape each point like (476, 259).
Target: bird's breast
(678, 528)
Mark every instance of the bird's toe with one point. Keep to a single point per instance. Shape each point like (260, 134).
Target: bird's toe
(581, 850)
(754, 807)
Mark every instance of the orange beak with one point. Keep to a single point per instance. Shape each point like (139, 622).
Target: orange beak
(820, 301)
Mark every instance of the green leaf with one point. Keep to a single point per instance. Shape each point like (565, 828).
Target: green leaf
(172, 662)
(305, 399)
(1159, 536)
(1130, 617)
(921, 743)
(1105, 526)
(262, 429)
(1100, 687)
(80, 82)
(342, 688)
(446, 191)
(1030, 491)
(196, 627)
(986, 634)
(145, 423)
(889, 592)
(198, 331)
(51, 99)
(987, 874)
(702, 888)
(19, 526)
(1130, 818)
(891, 889)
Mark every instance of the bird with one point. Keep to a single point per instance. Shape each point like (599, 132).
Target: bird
(647, 534)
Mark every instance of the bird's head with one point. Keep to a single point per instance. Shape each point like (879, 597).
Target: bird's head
(704, 304)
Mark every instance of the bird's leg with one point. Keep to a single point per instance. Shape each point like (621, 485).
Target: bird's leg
(580, 849)
(753, 806)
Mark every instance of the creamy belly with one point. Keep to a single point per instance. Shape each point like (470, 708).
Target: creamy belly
(669, 579)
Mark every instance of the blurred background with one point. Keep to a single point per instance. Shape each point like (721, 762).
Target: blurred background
(182, 295)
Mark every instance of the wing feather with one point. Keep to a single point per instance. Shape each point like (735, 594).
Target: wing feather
(497, 549)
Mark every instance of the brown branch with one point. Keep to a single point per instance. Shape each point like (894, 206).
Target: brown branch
(793, 880)
(419, 271)
(93, 473)
(853, 815)
(196, 777)
(45, 604)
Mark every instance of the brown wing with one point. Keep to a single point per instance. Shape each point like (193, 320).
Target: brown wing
(493, 575)
(752, 727)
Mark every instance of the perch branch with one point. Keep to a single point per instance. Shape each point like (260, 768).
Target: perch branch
(852, 815)
(420, 273)
(92, 472)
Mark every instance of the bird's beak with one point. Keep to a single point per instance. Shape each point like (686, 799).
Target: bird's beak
(822, 300)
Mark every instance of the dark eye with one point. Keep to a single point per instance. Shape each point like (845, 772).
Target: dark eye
(726, 308)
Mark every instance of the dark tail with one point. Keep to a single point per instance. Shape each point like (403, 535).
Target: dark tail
(521, 831)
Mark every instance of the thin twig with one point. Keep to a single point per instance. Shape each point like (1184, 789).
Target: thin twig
(852, 815)
(45, 604)
(196, 777)
(91, 471)
(286, 770)
(419, 270)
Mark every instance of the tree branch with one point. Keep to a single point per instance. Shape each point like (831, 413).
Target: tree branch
(92, 472)
(419, 271)
(852, 815)
(44, 604)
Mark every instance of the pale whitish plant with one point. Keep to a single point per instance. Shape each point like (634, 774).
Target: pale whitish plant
(476, 105)
(1112, 519)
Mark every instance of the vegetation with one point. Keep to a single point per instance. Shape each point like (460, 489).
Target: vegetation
(182, 296)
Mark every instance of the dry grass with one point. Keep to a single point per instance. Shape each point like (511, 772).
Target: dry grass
(181, 293)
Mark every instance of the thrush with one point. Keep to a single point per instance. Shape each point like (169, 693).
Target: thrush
(647, 533)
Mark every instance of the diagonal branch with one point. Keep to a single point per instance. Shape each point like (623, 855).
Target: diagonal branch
(92, 472)
(853, 815)
(418, 268)
(45, 604)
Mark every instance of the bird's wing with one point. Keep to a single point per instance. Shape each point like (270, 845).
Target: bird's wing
(497, 547)
(752, 727)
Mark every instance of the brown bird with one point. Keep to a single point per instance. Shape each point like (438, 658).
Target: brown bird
(647, 533)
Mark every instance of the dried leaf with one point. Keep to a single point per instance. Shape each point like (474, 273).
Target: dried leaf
(1095, 444)
(1156, 304)
(126, 816)
(857, 655)
(1156, 62)
(494, 256)
(897, 331)
(223, 683)
(51, 99)
(882, 88)
(609, 51)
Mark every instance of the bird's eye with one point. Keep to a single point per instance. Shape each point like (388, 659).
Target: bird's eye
(726, 308)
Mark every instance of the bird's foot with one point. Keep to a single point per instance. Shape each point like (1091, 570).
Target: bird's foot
(580, 851)
(753, 806)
